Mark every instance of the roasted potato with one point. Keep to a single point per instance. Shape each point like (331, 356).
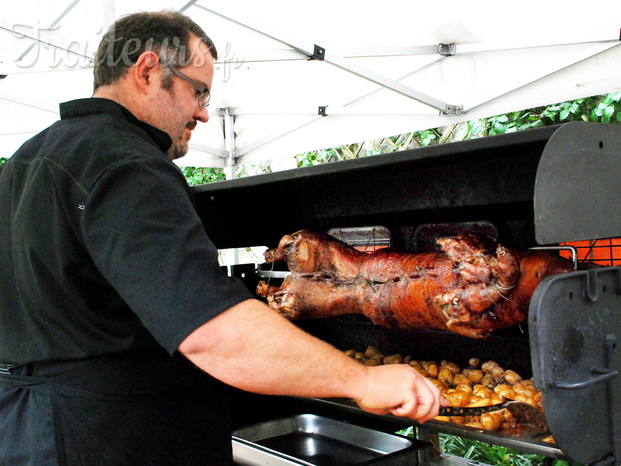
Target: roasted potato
(476, 385)
(393, 359)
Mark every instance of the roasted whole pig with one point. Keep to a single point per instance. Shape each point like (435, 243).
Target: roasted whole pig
(473, 286)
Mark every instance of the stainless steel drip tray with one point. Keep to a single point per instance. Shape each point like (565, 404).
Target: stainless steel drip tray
(312, 440)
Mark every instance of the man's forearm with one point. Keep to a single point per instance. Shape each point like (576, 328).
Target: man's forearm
(253, 348)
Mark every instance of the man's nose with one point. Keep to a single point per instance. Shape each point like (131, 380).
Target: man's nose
(201, 114)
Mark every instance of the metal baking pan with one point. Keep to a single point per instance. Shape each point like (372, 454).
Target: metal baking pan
(312, 440)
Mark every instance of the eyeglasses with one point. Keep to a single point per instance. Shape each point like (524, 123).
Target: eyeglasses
(204, 97)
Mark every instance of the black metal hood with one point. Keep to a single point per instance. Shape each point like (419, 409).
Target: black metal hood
(538, 187)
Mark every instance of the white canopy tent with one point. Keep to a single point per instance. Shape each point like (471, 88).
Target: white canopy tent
(294, 77)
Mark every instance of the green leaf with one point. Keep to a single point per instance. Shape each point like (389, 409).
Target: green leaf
(202, 175)
(615, 96)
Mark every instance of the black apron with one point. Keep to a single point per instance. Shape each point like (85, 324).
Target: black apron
(127, 410)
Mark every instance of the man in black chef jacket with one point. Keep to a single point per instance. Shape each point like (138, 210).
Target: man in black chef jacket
(118, 329)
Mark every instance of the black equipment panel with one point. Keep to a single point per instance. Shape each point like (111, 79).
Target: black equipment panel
(574, 322)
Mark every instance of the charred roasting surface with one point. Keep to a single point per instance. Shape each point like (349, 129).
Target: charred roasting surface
(472, 287)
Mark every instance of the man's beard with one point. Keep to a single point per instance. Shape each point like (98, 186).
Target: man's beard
(178, 149)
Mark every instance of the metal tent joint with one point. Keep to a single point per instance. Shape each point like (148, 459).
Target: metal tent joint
(322, 111)
(225, 111)
(232, 156)
(446, 50)
(230, 153)
(319, 53)
(454, 109)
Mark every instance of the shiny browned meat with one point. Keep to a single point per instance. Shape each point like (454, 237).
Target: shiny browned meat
(473, 287)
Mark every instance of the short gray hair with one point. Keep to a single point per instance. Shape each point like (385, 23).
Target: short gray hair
(167, 33)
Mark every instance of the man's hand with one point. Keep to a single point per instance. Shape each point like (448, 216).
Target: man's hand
(400, 390)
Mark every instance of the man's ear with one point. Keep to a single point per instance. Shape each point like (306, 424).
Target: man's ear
(144, 70)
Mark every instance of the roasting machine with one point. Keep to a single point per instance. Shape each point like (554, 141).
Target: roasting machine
(538, 188)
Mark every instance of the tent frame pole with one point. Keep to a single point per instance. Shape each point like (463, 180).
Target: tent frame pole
(313, 51)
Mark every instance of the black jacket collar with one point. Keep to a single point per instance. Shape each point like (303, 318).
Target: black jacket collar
(96, 106)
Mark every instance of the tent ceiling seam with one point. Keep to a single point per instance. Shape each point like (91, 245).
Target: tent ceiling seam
(553, 68)
(48, 43)
(28, 102)
(339, 62)
(51, 26)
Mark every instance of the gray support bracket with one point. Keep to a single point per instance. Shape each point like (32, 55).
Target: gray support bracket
(454, 109)
(231, 153)
(318, 53)
(446, 50)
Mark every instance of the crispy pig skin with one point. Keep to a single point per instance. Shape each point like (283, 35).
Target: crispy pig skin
(472, 287)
